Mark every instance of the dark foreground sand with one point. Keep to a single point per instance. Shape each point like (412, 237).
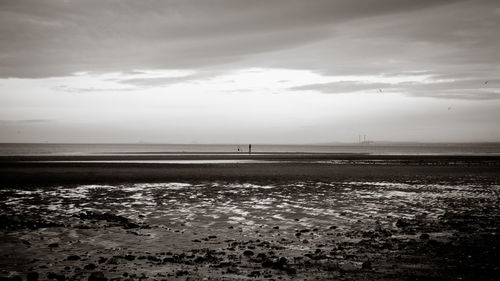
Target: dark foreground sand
(410, 218)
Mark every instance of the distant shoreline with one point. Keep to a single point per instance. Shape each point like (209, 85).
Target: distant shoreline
(274, 144)
(240, 150)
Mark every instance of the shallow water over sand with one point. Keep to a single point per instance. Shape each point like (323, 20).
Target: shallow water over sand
(289, 230)
(137, 149)
(249, 205)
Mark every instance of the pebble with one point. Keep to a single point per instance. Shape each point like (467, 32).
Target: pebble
(402, 223)
(73, 258)
(248, 253)
(90, 266)
(32, 276)
(254, 273)
(97, 276)
(366, 265)
(58, 277)
(424, 236)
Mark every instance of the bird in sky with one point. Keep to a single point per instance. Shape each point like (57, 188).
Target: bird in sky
(380, 90)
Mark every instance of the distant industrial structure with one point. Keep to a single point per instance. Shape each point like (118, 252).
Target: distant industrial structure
(364, 141)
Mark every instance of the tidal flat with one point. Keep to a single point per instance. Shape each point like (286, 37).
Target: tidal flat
(325, 222)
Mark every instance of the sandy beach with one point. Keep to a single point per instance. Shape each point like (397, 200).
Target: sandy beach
(302, 217)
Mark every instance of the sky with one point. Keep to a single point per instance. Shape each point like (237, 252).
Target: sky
(240, 71)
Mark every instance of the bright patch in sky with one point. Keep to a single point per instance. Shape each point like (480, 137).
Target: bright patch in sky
(248, 105)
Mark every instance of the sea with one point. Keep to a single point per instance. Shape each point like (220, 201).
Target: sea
(40, 149)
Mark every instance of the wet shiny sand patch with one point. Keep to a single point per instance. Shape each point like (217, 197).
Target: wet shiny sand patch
(217, 229)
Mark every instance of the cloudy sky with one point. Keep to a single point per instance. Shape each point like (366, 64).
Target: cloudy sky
(241, 71)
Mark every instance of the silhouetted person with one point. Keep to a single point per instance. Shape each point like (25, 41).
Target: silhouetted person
(249, 149)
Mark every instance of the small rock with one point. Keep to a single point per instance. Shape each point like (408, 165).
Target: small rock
(366, 265)
(32, 276)
(290, 270)
(58, 277)
(402, 223)
(281, 262)
(424, 236)
(248, 253)
(199, 260)
(153, 259)
(267, 263)
(90, 266)
(73, 258)
(129, 257)
(254, 273)
(181, 273)
(97, 276)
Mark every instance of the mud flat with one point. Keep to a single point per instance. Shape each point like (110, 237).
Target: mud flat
(64, 170)
(262, 221)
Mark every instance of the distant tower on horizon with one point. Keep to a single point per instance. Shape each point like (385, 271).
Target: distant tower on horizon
(364, 141)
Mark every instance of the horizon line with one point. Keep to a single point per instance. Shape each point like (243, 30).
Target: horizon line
(333, 143)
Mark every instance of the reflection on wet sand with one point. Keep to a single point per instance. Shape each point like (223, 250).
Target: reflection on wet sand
(251, 205)
(293, 230)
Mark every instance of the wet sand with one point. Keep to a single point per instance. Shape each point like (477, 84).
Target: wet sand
(48, 170)
(411, 218)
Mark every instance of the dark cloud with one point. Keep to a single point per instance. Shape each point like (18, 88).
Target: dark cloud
(56, 38)
(449, 40)
(344, 87)
(468, 89)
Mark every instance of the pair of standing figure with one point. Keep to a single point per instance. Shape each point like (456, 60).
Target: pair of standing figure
(249, 149)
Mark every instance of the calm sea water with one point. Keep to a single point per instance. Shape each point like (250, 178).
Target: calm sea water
(374, 149)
